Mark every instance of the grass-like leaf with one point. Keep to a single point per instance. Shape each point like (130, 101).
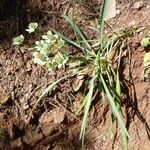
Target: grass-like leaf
(68, 40)
(88, 100)
(123, 129)
(50, 87)
(118, 90)
(76, 29)
(75, 44)
(102, 19)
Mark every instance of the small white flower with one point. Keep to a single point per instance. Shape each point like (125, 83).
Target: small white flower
(32, 26)
(39, 58)
(18, 40)
(50, 38)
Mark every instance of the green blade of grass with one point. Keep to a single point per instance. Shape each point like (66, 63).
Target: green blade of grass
(114, 108)
(125, 139)
(124, 132)
(91, 53)
(87, 108)
(50, 87)
(82, 105)
(102, 19)
(68, 40)
(76, 29)
(118, 87)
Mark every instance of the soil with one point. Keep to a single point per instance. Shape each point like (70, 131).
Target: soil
(53, 125)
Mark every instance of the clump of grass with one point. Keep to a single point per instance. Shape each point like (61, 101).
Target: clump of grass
(104, 76)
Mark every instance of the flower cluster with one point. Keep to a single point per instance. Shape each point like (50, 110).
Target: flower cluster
(44, 54)
(47, 51)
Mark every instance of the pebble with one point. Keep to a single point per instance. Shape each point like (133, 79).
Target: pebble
(118, 12)
(132, 23)
(138, 5)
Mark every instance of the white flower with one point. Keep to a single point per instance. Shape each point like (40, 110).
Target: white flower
(39, 58)
(18, 40)
(50, 38)
(31, 27)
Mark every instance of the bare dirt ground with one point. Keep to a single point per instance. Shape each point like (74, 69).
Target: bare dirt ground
(53, 125)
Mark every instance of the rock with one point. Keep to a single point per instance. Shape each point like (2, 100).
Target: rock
(111, 10)
(118, 12)
(4, 99)
(132, 23)
(138, 5)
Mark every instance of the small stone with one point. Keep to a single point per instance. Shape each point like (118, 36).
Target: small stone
(138, 5)
(22, 49)
(111, 13)
(29, 66)
(132, 23)
(118, 12)
(4, 99)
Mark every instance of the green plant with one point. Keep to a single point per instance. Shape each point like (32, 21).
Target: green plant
(32, 27)
(18, 40)
(145, 41)
(45, 51)
(48, 50)
(104, 76)
(146, 62)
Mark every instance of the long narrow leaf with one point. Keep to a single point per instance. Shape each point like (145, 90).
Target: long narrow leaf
(76, 29)
(51, 86)
(114, 108)
(68, 40)
(82, 105)
(102, 19)
(87, 108)
(75, 44)
(118, 87)
(125, 139)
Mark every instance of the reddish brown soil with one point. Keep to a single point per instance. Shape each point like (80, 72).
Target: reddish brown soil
(53, 125)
